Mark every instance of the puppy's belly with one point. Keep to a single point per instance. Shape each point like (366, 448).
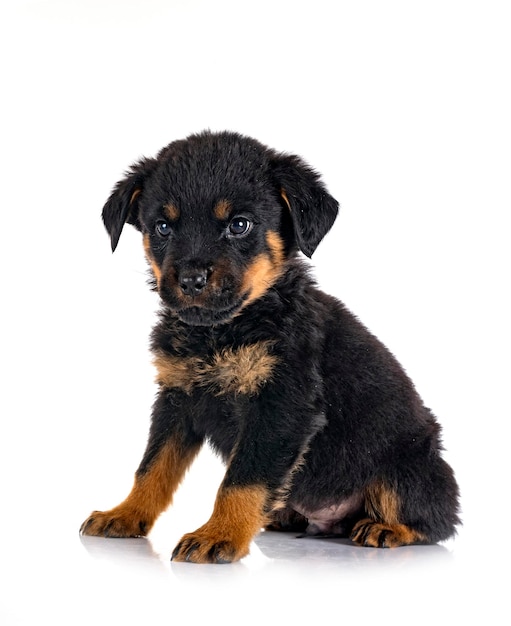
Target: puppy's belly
(333, 519)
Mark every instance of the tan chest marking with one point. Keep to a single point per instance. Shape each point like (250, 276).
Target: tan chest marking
(241, 371)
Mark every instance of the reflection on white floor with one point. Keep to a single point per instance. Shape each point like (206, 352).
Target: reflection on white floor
(83, 580)
(274, 553)
(53, 575)
(274, 548)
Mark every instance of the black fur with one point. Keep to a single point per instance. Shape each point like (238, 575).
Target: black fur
(324, 419)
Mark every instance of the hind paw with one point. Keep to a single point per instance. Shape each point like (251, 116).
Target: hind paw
(373, 534)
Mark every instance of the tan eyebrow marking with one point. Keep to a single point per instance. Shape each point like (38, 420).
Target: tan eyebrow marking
(171, 211)
(222, 209)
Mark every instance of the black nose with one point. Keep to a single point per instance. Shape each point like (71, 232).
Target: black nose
(192, 282)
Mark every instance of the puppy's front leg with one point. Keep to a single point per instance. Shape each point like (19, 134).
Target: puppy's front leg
(170, 451)
(238, 515)
(259, 468)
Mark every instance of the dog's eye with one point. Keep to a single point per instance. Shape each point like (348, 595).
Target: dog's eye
(240, 226)
(163, 228)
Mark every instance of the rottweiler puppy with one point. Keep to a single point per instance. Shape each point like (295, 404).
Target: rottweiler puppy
(321, 430)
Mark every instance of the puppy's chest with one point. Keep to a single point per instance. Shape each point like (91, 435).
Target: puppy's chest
(222, 370)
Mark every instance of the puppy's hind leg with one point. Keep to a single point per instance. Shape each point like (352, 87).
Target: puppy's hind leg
(286, 520)
(383, 527)
(420, 505)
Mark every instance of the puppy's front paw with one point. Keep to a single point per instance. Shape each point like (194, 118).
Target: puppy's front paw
(205, 547)
(237, 517)
(118, 522)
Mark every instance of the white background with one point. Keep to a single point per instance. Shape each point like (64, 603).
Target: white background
(405, 109)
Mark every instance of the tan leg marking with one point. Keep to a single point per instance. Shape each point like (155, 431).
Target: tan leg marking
(383, 529)
(151, 494)
(373, 534)
(237, 517)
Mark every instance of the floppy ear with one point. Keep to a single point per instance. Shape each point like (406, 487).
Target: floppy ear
(122, 205)
(313, 210)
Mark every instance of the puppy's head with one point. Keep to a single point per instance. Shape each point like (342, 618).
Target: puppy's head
(220, 214)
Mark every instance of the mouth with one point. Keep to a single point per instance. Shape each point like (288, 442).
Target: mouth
(201, 316)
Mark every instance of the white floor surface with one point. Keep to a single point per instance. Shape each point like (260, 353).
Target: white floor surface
(52, 575)
(67, 580)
